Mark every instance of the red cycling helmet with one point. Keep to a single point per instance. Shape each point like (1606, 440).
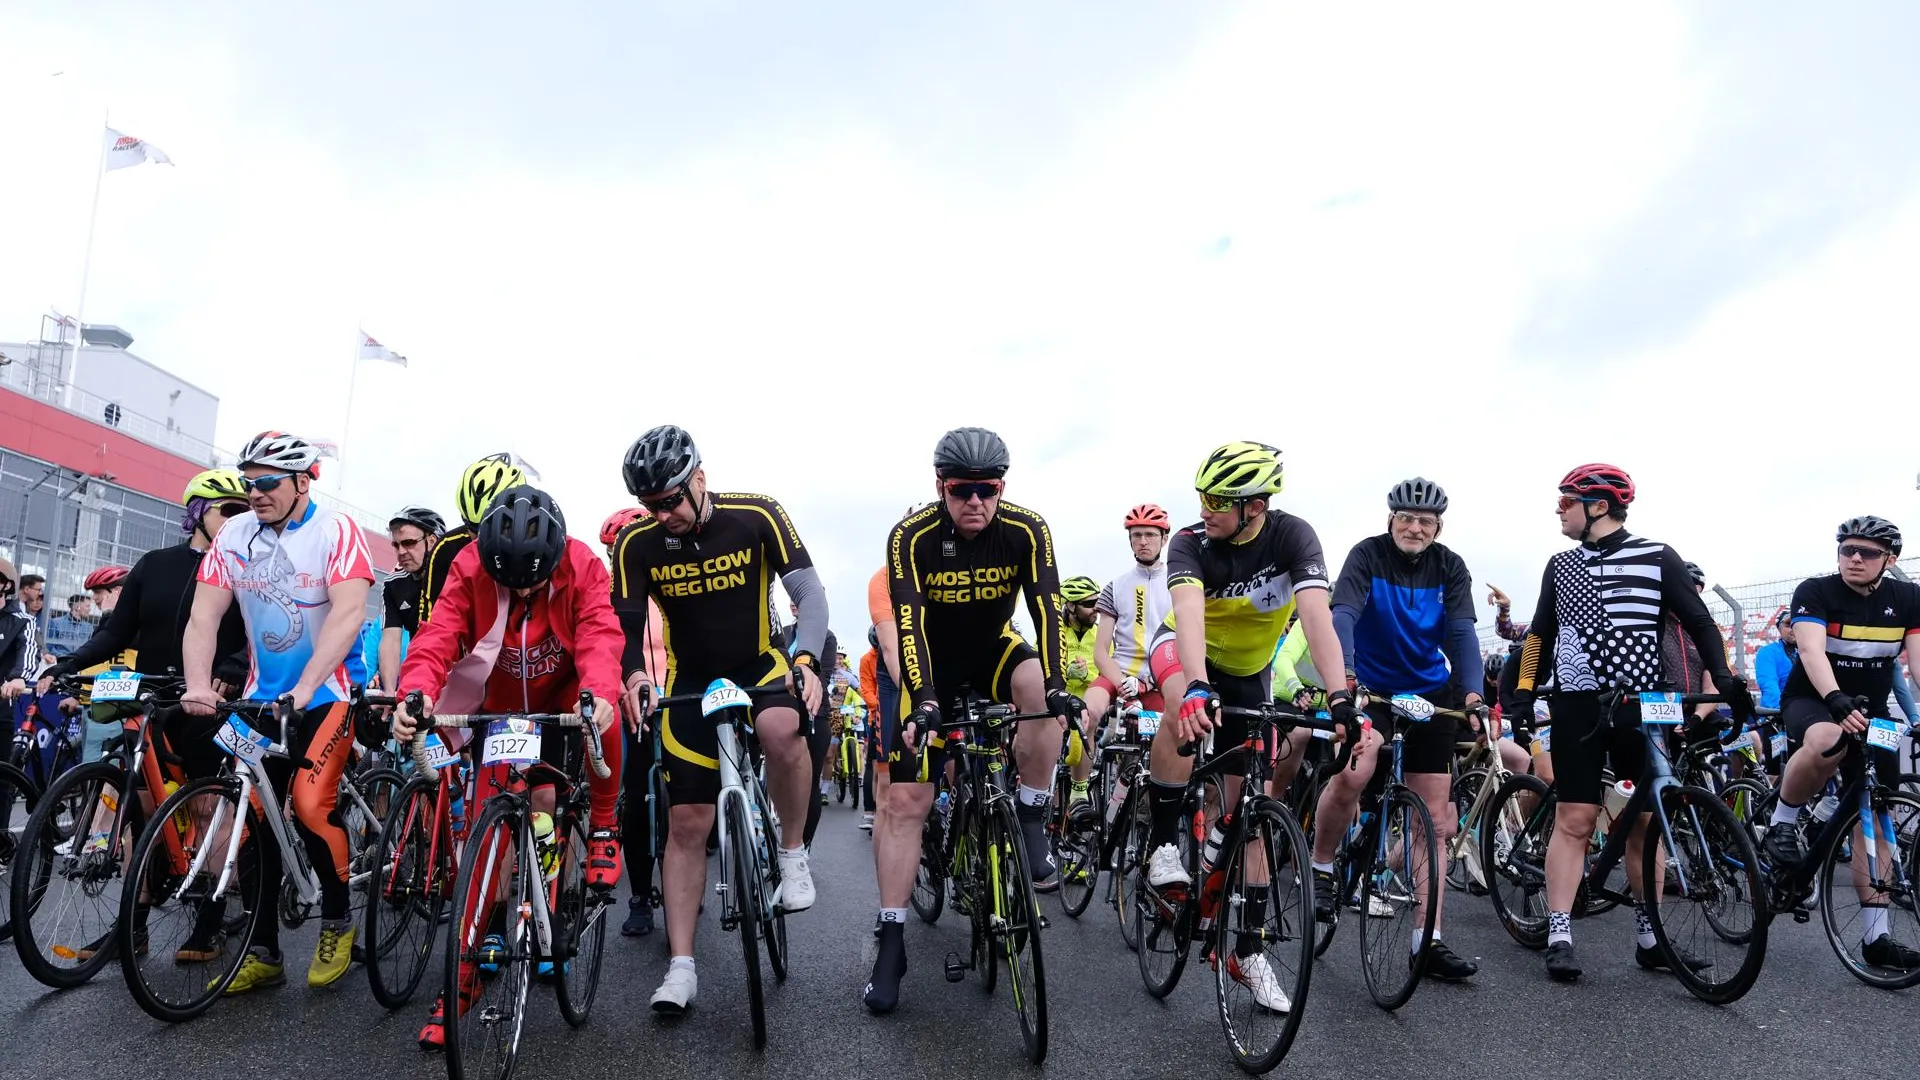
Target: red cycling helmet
(1150, 516)
(618, 520)
(1597, 480)
(106, 577)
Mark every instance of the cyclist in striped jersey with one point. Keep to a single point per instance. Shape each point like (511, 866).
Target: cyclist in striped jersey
(1129, 609)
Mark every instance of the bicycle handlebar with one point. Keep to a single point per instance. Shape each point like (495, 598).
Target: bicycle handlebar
(1288, 719)
(417, 748)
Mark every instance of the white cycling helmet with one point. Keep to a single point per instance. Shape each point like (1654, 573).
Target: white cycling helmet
(279, 450)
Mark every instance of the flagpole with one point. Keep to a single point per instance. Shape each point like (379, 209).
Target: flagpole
(346, 426)
(86, 262)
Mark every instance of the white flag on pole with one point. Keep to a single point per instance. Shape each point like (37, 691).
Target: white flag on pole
(373, 350)
(125, 150)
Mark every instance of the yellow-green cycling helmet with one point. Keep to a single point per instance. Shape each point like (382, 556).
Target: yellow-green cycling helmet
(1240, 470)
(483, 480)
(1078, 590)
(214, 484)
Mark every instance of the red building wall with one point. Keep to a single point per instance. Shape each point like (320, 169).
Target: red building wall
(40, 430)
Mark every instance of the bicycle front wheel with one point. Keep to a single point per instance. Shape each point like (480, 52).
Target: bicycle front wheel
(1076, 846)
(412, 868)
(743, 902)
(1262, 944)
(1867, 894)
(930, 880)
(1129, 867)
(1513, 854)
(1016, 928)
(579, 927)
(1711, 922)
(173, 911)
(488, 955)
(66, 889)
(1399, 898)
(14, 784)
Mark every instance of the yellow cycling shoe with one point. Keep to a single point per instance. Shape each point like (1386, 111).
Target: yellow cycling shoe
(255, 973)
(331, 957)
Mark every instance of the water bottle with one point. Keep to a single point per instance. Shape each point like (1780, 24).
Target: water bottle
(1829, 804)
(943, 803)
(1210, 851)
(1118, 797)
(457, 810)
(543, 844)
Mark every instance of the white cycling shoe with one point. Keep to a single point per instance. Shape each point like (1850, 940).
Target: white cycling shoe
(1254, 973)
(676, 991)
(796, 881)
(1165, 867)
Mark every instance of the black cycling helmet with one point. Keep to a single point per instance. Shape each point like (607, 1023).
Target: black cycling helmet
(420, 518)
(521, 537)
(1418, 493)
(1869, 527)
(660, 460)
(1698, 575)
(972, 453)
(1496, 662)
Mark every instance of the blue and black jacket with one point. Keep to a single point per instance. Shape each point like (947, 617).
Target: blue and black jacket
(1403, 622)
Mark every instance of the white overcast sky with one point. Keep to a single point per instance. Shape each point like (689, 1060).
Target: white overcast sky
(1474, 242)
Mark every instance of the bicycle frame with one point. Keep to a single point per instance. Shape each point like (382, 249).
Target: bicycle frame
(256, 788)
(1861, 786)
(1658, 778)
(736, 774)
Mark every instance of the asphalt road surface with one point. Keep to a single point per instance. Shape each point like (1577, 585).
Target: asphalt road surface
(1806, 1018)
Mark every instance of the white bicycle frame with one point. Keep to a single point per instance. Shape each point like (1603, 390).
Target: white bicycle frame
(253, 775)
(734, 797)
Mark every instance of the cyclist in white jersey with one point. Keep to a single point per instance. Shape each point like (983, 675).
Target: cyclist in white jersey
(292, 565)
(1128, 611)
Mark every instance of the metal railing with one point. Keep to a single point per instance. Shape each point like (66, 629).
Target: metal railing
(25, 379)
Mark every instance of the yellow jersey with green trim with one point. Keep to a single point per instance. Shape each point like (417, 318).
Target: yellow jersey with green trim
(1249, 586)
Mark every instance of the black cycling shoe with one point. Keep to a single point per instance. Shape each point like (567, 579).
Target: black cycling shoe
(1445, 964)
(1655, 960)
(1884, 952)
(639, 918)
(889, 967)
(1783, 848)
(1562, 964)
(1326, 902)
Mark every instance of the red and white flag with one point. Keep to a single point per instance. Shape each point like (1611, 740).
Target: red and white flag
(125, 150)
(373, 350)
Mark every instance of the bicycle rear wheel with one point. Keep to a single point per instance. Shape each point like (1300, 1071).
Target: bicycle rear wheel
(1262, 943)
(579, 927)
(1076, 849)
(14, 784)
(1871, 893)
(488, 956)
(172, 911)
(1016, 910)
(1717, 912)
(930, 879)
(1163, 926)
(1393, 877)
(412, 882)
(66, 892)
(1463, 873)
(1513, 851)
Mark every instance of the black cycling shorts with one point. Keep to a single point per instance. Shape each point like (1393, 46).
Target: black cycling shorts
(692, 746)
(1577, 766)
(985, 670)
(1797, 714)
(1426, 747)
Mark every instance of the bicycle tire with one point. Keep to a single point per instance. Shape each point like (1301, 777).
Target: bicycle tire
(1465, 792)
(13, 783)
(580, 928)
(773, 918)
(929, 897)
(1903, 918)
(85, 879)
(1719, 864)
(1288, 924)
(1017, 906)
(1164, 924)
(154, 870)
(493, 863)
(407, 893)
(1076, 850)
(743, 897)
(1513, 852)
(1391, 968)
(1129, 877)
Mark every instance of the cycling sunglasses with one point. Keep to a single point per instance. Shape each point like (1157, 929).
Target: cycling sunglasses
(665, 504)
(232, 509)
(1219, 504)
(1568, 500)
(268, 483)
(964, 490)
(1864, 554)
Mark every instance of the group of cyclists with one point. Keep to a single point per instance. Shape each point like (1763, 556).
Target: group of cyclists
(506, 612)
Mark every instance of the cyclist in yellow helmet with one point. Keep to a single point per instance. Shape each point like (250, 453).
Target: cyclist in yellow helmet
(479, 484)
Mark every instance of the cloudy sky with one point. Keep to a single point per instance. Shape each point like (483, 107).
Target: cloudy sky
(1475, 242)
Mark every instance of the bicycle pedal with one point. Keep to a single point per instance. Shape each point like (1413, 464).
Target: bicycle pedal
(956, 969)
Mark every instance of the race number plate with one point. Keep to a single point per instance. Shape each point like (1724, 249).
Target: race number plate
(1322, 714)
(236, 738)
(1884, 734)
(511, 742)
(1779, 744)
(117, 686)
(1412, 707)
(438, 756)
(722, 695)
(1544, 737)
(1661, 709)
(1149, 723)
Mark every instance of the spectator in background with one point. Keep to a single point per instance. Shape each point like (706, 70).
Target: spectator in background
(70, 629)
(1774, 661)
(33, 594)
(1503, 623)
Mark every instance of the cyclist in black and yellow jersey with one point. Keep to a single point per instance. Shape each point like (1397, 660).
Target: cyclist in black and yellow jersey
(1235, 579)
(953, 571)
(479, 484)
(708, 562)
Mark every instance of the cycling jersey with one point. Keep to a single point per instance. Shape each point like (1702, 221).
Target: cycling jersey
(1079, 646)
(433, 577)
(156, 603)
(712, 586)
(402, 599)
(1401, 619)
(1864, 634)
(1293, 669)
(1138, 603)
(1600, 612)
(279, 579)
(1249, 586)
(960, 593)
